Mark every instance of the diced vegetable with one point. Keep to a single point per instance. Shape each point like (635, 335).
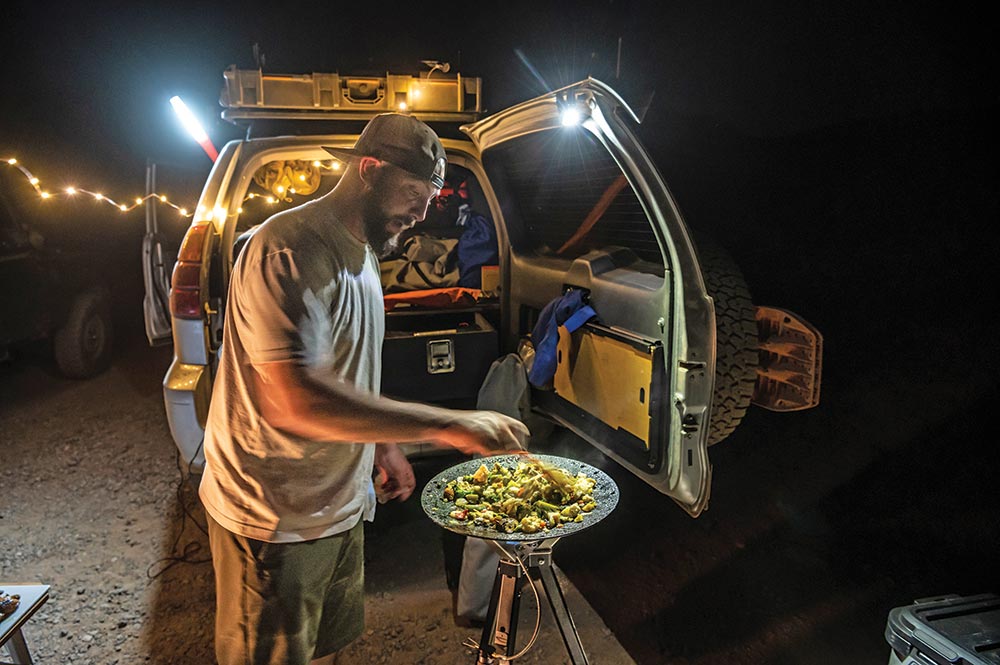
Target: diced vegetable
(522, 499)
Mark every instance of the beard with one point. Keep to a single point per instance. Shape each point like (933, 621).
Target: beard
(376, 223)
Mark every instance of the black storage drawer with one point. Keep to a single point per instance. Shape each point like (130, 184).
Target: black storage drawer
(437, 356)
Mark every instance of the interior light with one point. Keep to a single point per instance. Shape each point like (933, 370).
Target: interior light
(45, 195)
(71, 190)
(33, 181)
(12, 161)
(402, 106)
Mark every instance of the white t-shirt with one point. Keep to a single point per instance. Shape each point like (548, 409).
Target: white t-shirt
(304, 288)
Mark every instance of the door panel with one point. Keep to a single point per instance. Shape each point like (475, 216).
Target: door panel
(584, 208)
(608, 375)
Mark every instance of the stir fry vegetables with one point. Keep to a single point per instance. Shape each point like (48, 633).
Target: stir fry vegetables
(523, 499)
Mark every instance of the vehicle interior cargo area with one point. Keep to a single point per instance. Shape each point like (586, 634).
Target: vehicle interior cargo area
(438, 355)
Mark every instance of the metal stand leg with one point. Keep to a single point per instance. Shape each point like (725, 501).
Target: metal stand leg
(563, 619)
(500, 628)
(497, 640)
(18, 649)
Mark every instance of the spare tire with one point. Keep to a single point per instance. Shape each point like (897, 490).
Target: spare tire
(736, 355)
(83, 345)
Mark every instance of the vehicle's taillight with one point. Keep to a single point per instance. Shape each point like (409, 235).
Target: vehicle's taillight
(185, 285)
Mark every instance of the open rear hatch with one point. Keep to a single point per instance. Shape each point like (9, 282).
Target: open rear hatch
(585, 209)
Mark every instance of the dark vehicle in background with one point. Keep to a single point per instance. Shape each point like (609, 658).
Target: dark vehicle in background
(48, 294)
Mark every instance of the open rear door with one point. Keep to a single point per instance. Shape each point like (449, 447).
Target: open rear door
(584, 208)
(158, 260)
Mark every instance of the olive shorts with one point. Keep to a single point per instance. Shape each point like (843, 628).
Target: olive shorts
(286, 603)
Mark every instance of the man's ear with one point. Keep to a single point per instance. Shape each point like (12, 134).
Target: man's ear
(366, 169)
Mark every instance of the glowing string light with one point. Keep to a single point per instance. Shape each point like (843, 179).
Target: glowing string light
(72, 191)
(219, 213)
(332, 165)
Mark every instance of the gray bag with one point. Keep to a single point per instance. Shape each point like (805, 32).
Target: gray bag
(426, 263)
(505, 390)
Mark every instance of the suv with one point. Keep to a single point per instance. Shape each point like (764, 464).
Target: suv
(48, 293)
(668, 367)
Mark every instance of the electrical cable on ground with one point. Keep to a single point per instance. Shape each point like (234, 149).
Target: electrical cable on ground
(192, 548)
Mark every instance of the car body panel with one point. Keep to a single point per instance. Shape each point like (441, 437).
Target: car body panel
(186, 393)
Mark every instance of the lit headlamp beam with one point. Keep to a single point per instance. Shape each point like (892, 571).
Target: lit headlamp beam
(193, 127)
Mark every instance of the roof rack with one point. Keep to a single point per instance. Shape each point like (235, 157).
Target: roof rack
(249, 94)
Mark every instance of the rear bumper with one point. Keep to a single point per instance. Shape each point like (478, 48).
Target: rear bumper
(186, 392)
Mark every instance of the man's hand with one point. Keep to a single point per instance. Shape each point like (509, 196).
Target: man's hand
(395, 475)
(484, 432)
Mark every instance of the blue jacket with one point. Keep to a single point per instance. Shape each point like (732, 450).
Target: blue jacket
(569, 311)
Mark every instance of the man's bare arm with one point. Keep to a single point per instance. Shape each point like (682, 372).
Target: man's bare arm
(291, 400)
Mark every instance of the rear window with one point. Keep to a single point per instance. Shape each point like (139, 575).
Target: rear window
(282, 184)
(565, 196)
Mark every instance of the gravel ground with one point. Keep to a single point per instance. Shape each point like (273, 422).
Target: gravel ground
(92, 505)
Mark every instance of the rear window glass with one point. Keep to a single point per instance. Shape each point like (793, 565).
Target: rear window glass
(566, 196)
(282, 184)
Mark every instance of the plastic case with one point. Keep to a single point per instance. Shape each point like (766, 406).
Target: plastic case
(250, 94)
(946, 630)
(437, 356)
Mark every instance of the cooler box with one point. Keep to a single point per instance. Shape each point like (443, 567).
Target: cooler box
(946, 630)
(439, 356)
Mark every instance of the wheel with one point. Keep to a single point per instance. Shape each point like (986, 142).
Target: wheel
(736, 339)
(83, 344)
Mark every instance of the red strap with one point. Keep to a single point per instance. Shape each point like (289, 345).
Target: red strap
(456, 296)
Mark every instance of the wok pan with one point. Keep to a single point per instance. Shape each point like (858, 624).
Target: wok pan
(437, 508)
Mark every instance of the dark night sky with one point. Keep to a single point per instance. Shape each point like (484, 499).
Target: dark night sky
(788, 126)
(96, 78)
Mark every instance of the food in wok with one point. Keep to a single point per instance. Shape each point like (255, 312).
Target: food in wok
(527, 498)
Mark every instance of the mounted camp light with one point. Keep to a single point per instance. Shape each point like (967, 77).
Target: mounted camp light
(573, 110)
(193, 127)
(570, 117)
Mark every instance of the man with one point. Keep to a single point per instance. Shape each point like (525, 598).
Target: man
(296, 422)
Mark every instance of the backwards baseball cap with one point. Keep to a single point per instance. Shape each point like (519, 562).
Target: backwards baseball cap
(401, 140)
